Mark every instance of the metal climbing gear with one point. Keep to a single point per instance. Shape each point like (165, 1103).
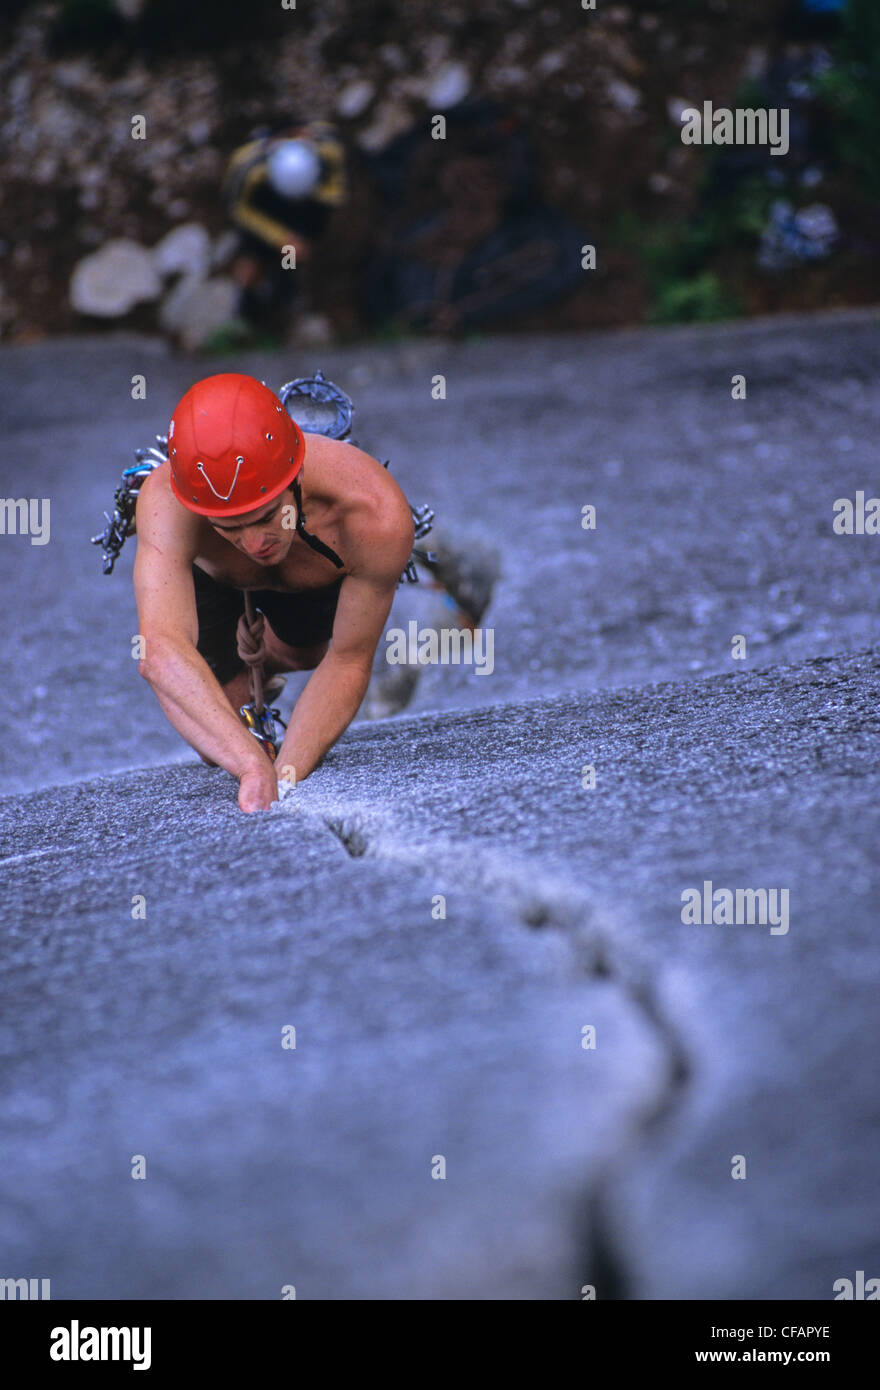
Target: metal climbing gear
(121, 524)
(259, 717)
(318, 406)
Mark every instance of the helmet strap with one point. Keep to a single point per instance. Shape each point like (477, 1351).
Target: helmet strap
(309, 539)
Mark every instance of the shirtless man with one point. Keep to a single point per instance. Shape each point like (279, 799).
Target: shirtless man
(225, 514)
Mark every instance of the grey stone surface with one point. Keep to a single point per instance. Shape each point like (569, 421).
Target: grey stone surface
(714, 515)
(415, 1037)
(419, 1036)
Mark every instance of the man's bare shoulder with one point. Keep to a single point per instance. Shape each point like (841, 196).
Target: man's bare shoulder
(374, 515)
(161, 520)
(339, 466)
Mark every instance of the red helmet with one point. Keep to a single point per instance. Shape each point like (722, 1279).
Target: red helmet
(232, 446)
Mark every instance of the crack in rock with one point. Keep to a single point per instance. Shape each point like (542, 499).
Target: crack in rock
(542, 900)
(535, 898)
(611, 1278)
(350, 835)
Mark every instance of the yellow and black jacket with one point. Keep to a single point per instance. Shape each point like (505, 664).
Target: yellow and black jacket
(258, 210)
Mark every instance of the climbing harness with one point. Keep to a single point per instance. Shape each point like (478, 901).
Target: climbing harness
(318, 407)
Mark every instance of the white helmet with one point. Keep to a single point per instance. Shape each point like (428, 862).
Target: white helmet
(294, 168)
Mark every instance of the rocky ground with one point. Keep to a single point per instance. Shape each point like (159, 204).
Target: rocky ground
(600, 90)
(448, 906)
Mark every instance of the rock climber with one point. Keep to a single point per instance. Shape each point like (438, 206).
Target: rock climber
(227, 513)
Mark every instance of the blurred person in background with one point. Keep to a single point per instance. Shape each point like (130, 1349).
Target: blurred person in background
(465, 239)
(281, 189)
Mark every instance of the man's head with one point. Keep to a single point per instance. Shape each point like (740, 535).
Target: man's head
(266, 533)
(233, 451)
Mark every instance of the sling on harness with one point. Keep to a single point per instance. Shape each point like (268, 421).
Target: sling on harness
(318, 407)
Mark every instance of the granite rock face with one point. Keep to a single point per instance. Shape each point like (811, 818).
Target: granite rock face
(486, 967)
(473, 915)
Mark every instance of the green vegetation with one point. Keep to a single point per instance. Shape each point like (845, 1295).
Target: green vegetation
(680, 258)
(238, 336)
(852, 90)
(698, 300)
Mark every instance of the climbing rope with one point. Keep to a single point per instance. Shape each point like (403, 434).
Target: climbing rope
(251, 640)
(260, 718)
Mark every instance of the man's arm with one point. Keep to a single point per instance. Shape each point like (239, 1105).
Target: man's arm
(184, 684)
(334, 692)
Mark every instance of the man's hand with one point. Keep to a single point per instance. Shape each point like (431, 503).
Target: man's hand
(258, 787)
